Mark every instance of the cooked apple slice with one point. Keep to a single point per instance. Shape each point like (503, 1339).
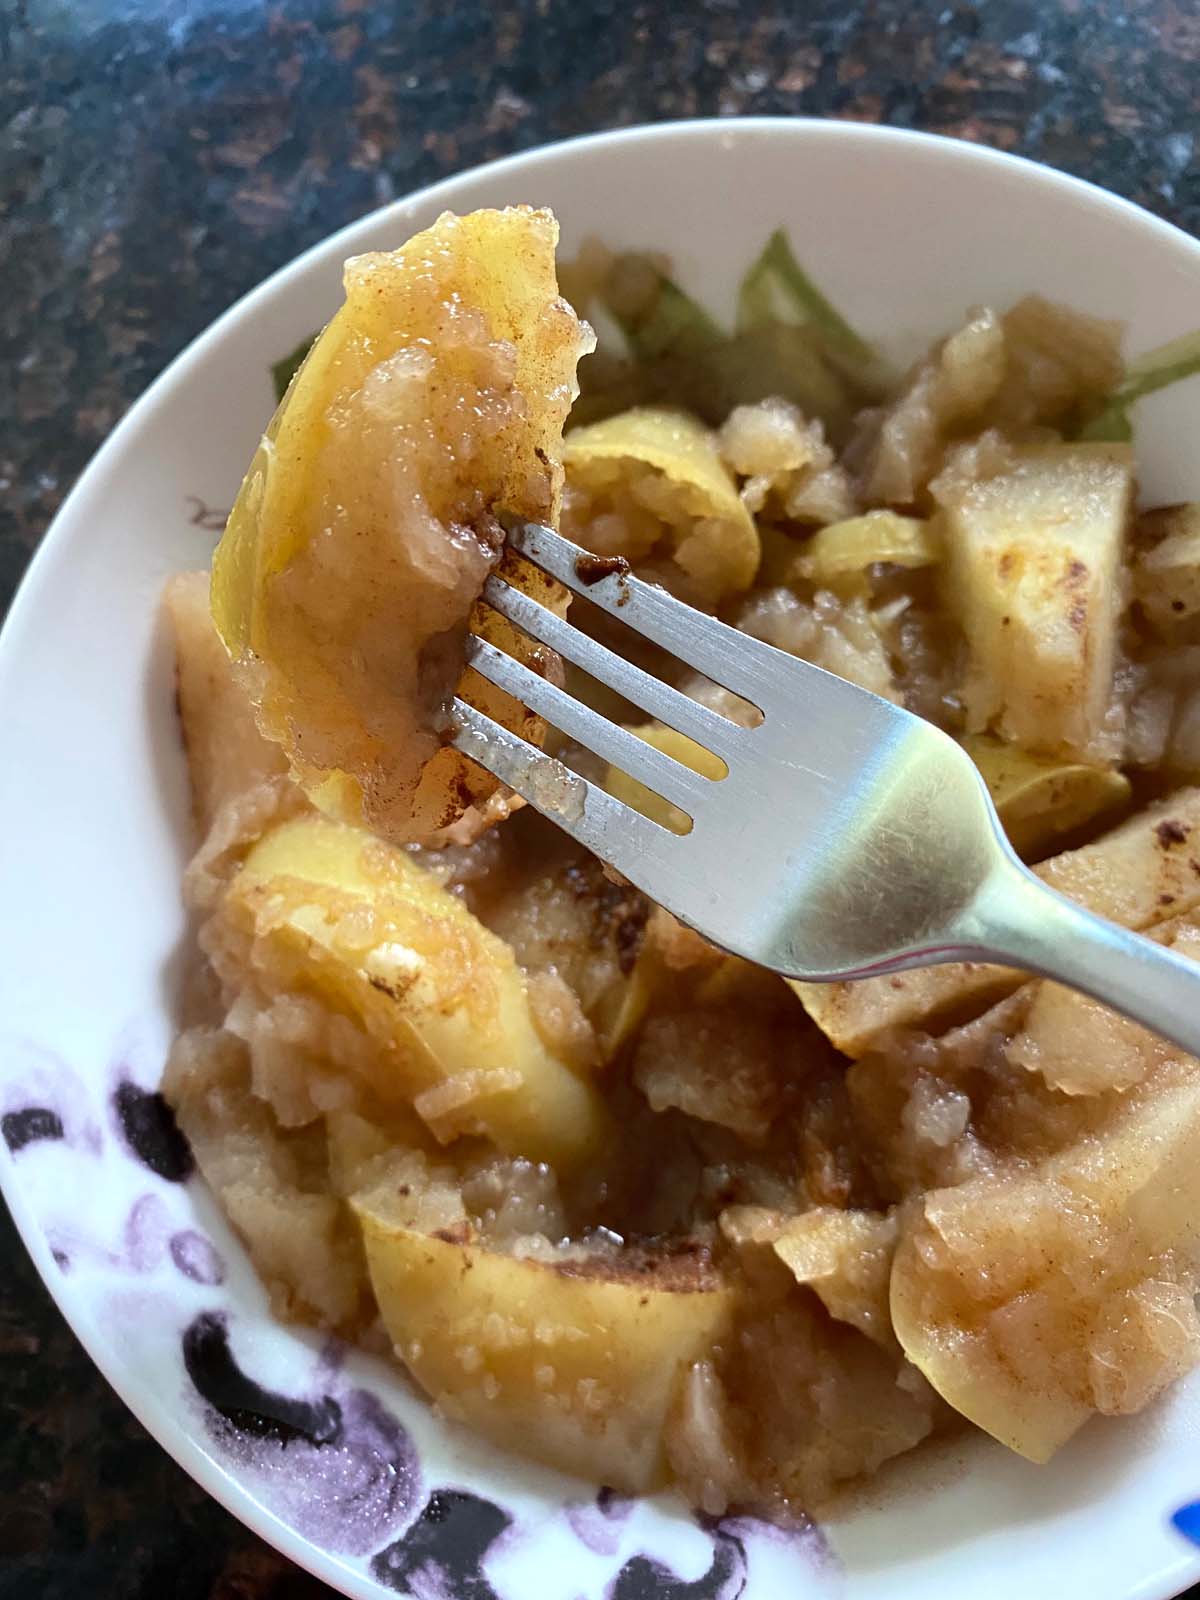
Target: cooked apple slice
(843, 1255)
(226, 753)
(945, 1330)
(649, 486)
(839, 556)
(1034, 558)
(902, 445)
(359, 543)
(580, 1359)
(576, 932)
(1032, 1299)
(323, 910)
(1166, 573)
(846, 1258)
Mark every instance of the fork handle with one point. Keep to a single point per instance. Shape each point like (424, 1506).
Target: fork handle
(1022, 922)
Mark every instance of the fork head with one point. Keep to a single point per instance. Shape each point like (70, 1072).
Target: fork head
(847, 836)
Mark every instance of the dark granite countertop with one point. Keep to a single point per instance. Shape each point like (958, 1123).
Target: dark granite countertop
(159, 157)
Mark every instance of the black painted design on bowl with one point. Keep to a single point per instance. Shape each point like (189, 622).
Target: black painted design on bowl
(30, 1125)
(645, 1578)
(151, 1132)
(333, 1462)
(441, 1555)
(245, 1405)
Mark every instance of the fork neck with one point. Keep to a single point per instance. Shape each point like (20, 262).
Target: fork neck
(1019, 921)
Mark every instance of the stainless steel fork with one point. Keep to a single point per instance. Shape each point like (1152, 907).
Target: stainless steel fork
(849, 838)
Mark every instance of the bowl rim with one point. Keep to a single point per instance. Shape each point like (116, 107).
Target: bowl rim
(155, 1414)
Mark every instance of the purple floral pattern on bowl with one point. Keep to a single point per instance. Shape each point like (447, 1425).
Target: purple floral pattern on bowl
(331, 1456)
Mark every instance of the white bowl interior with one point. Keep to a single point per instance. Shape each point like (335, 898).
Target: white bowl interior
(904, 233)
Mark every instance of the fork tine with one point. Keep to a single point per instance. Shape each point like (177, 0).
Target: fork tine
(718, 651)
(654, 696)
(582, 809)
(634, 756)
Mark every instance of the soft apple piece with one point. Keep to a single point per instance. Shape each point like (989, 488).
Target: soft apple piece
(581, 1360)
(1031, 1299)
(1034, 558)
(432, 404)
(226, 753)
(326, 912)
(649, 486)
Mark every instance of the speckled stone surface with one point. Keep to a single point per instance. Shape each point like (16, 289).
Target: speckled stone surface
(159, 157)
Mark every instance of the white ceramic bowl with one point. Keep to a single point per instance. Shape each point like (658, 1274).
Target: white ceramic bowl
(905, 232)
